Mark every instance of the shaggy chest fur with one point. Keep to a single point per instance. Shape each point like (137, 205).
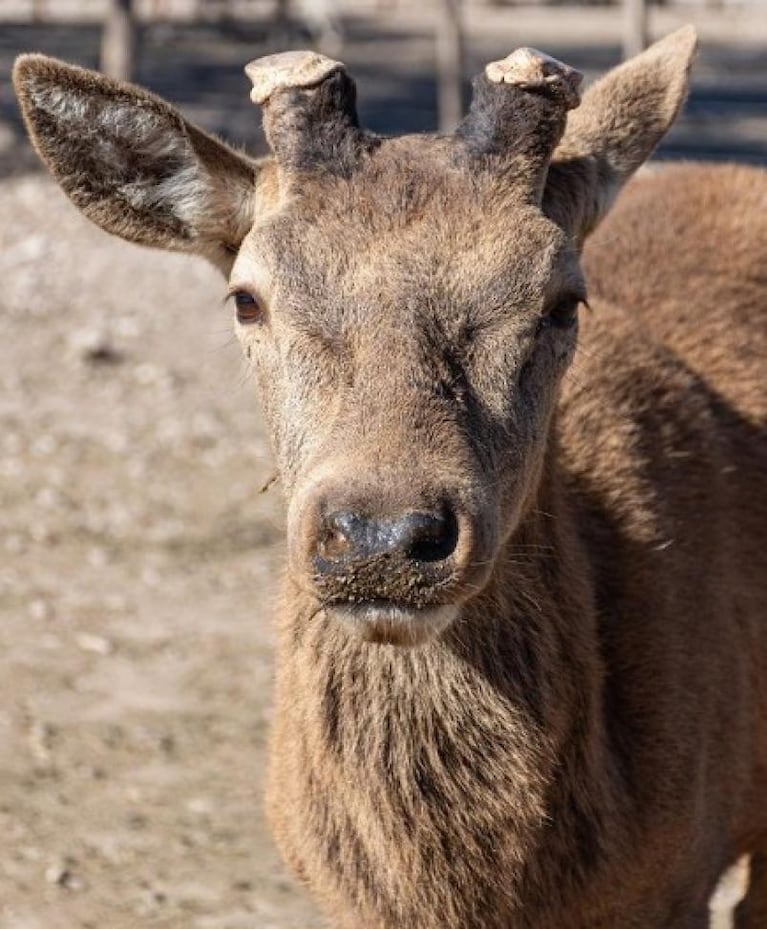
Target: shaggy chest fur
(417, 787)
(400, 782)
(470, 786)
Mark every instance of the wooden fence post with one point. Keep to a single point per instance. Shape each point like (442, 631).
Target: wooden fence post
(118, 40)
(635, 27)
(450, 64)
(282, 11)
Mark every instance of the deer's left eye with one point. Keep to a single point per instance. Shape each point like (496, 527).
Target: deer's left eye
(563, 314)
(249, 309)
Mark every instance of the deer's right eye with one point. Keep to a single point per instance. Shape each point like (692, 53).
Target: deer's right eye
(248, 308)
(564, 313)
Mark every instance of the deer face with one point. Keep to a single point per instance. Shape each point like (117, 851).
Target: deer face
(408, 306)
(408, 326)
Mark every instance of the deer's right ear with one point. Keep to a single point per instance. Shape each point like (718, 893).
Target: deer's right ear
(133, 164)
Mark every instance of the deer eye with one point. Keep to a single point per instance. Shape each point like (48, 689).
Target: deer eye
(563, 314)
(248, 308)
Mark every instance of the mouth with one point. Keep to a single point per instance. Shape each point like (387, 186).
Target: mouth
(385, 622)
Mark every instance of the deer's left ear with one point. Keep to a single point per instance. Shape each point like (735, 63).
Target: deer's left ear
(615, 130)
(133, 164)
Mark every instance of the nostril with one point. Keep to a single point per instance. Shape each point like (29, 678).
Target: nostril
(338, 535)
(429, 536)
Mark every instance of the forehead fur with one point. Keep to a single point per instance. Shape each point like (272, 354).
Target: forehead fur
(413, 217)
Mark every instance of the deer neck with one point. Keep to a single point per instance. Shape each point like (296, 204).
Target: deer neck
(485, 742)
(521, 667)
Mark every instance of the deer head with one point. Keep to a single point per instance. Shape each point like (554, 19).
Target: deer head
(409, 305)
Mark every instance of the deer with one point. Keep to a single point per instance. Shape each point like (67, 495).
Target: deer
(521, 661)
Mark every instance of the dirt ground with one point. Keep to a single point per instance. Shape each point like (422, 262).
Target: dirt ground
(137, 557)
(137, 566)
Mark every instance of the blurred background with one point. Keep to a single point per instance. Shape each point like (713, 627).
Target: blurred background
(138, 553)
(412, 60)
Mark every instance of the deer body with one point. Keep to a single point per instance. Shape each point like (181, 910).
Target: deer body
(587, 734)
(522, 654)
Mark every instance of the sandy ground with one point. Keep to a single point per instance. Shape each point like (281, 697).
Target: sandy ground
(137, 565)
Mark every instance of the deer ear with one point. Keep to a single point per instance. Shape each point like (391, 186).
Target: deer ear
(133, 164)
(615, 130)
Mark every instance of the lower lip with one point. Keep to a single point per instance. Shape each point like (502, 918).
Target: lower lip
(378, 621)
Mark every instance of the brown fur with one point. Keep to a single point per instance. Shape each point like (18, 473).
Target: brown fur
(578, 736)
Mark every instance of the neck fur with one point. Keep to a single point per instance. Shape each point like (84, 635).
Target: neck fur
(459, 756)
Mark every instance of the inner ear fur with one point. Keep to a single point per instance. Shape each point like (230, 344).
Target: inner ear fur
(133, 164)
(621, 120)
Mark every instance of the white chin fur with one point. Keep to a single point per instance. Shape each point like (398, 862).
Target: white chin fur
(395, 625)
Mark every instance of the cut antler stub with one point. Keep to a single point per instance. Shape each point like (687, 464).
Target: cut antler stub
(288, 70)
(309, 111)
(529, 69)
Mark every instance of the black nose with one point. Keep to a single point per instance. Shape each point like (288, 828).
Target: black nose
(346, 536)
